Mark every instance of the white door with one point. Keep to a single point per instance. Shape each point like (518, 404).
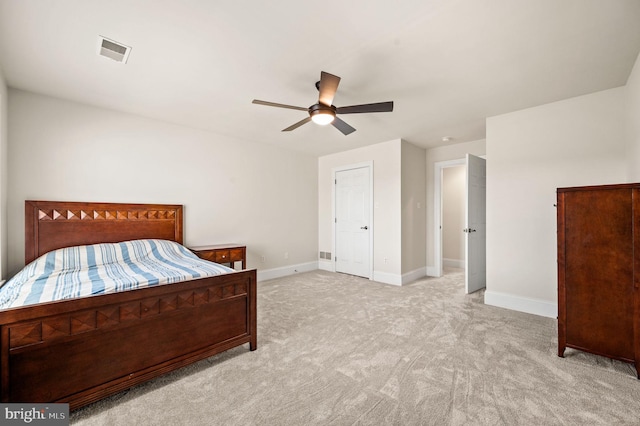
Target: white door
(353, 230)
(476, 224)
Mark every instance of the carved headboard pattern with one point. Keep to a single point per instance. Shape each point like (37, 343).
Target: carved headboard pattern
(53, 214)
(50, 225)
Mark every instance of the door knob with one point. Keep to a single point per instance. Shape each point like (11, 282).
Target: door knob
(364, 227)
(468, 230)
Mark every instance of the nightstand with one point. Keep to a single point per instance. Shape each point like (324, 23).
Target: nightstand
(223, 253)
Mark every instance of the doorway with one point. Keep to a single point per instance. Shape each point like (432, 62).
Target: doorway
(453, 216)
(439, 168)
(474, 231)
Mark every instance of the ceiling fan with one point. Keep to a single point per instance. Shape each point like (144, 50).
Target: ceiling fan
(324, 112)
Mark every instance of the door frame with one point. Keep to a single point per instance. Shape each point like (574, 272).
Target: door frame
(437, 210)
(334, 171)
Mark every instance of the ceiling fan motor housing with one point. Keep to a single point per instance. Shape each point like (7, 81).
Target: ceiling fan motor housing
(322, 109)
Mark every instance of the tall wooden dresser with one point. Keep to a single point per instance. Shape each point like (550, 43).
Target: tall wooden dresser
(598, 272)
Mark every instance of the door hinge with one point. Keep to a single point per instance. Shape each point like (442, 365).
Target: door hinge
(335, 220)
(335, 181)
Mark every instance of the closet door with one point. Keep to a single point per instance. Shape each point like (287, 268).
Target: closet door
(599, 279)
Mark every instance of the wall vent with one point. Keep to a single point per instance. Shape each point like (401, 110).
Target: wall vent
(325, 255)
(113, 50)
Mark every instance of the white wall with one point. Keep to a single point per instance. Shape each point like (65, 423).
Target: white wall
(575, 142)
(633, 122)
(4, 137)
(453, 215)
(399, 208)
(233, 191)
(387, 229)
(414, 219)
(435, 155)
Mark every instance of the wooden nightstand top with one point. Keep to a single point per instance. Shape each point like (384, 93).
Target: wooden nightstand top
(217, 247)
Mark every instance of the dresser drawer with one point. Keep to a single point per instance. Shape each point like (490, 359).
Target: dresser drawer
(223, 253)
(222, 256)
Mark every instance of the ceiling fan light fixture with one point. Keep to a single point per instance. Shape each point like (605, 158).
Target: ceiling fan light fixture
(323, 117)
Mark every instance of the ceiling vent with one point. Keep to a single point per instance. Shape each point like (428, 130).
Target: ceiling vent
(113, 50)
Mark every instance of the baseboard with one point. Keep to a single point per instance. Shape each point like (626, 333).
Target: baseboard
(453, 263)
(387, 278)
(395, 279)
(521, 304)
(412, 276)
(327, 265)
(431, 271)
(382, 277)
(269, 274)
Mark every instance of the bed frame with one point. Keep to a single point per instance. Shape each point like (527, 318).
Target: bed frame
(81, 350)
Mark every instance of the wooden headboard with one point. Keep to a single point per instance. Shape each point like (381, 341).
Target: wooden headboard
(51, 225)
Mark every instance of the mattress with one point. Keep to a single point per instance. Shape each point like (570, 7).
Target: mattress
(104, 268)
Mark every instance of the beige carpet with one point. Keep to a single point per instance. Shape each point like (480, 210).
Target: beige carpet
(341, 350)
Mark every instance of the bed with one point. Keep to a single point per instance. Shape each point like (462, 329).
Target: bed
(83, 349)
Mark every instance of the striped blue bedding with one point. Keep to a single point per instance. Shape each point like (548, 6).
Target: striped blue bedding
(104, 268)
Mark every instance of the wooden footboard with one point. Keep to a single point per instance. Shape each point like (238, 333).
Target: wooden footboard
(79, 351)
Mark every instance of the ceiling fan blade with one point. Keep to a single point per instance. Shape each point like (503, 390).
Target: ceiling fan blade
(328, 87)
(355, 109)
(342, 126)
(273, 104)
(298, 124)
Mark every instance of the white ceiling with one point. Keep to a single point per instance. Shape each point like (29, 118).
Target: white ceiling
(447, 64)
